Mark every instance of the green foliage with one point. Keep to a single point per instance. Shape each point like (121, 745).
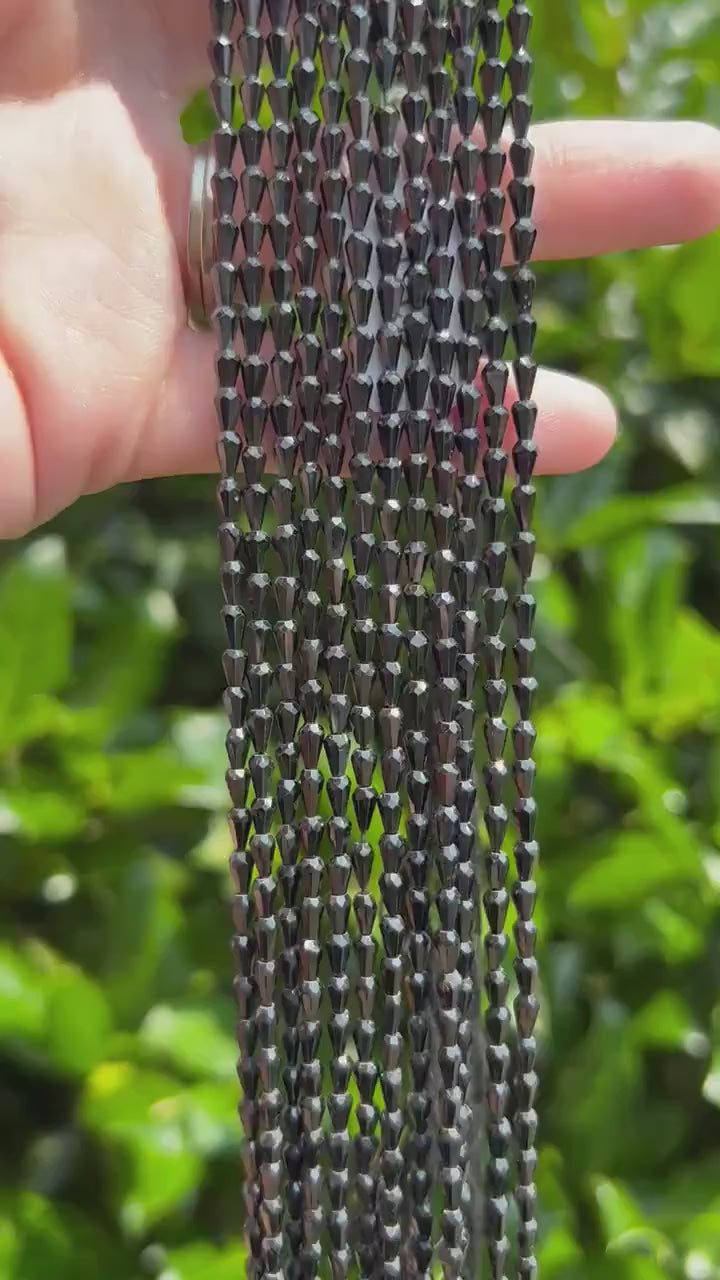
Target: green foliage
(120, 1148)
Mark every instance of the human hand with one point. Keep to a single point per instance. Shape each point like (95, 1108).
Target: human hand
(101, 381)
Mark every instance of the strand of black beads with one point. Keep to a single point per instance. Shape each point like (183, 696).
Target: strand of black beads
(453, 1069)
(258, 633)
(417, 909)
(445, 776)
(336, 660)
(269, 1143)
(446, 735)
(417, 1245)
(225, 187)
(466, 577)
(364, 760)
(522, 236)
(359, 394)
(495, 599)
(388, 251)
(309, 352)
(286, 591)
(287, 718)
(441, 218)
(467, 632)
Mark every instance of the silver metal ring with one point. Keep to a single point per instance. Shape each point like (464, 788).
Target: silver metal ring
(200, 240)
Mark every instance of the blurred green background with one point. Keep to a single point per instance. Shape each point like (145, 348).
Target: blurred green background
(119, 1140)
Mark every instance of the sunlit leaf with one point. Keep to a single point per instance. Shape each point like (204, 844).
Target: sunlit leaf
(698, 326)
(203, 1262)
(50, 1240)
(665, 1022)
(78, 1021)
(130, 782)
(191, 1040)
(617, 1210)
(625, 514)
(609, 29)
(213, 1125)
(38, 813)
(59, 1012)
(198, 119)
(559, 1253)
(146, 918)
(159, 1175)
(126, 661)
(631, 865)
(144, 1117)
(600, 1075)
(711, 1084)
(35, 635)
(22, 998)
(680, 938)
(680, 703)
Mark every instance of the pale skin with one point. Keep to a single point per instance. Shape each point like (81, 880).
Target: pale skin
(101, 381)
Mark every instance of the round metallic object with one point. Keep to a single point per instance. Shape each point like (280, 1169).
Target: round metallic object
(200, 240)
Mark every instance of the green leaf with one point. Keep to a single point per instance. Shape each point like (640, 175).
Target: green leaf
(637, 1266)
(22, 998)
(680, 704)
(617, 1210)
(49, 1240)
(131, 782)
(212, 851)
(8, 1243)
(686, 1197)
(36, 812)
(35, 637)
(623, 515)
(212, 1123)
(126, 660)
(146, 919)
(630, 866)
(159, 1135)
(698, 325)
(53, 1007)
(203, 1262)
(198, 119)
(625, 1227)
(144, 1116)
(681, 322)
(665, 1022)
(78, 1021)
(190, 1040)
(44, 1245)
(711, 1083)
(199, 740)
(586, 492)
(680, 938)
(646, 575)
(588, 725)
(162, 1175)
(599, 1075)
(559, 1253)
(609, 31)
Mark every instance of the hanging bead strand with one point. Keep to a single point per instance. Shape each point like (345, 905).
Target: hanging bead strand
(522, 234)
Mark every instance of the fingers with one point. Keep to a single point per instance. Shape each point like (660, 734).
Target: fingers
(576, 422)
(610, 185)
(90, 301)
(18, 469)
(576, 427)
(602, 186)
